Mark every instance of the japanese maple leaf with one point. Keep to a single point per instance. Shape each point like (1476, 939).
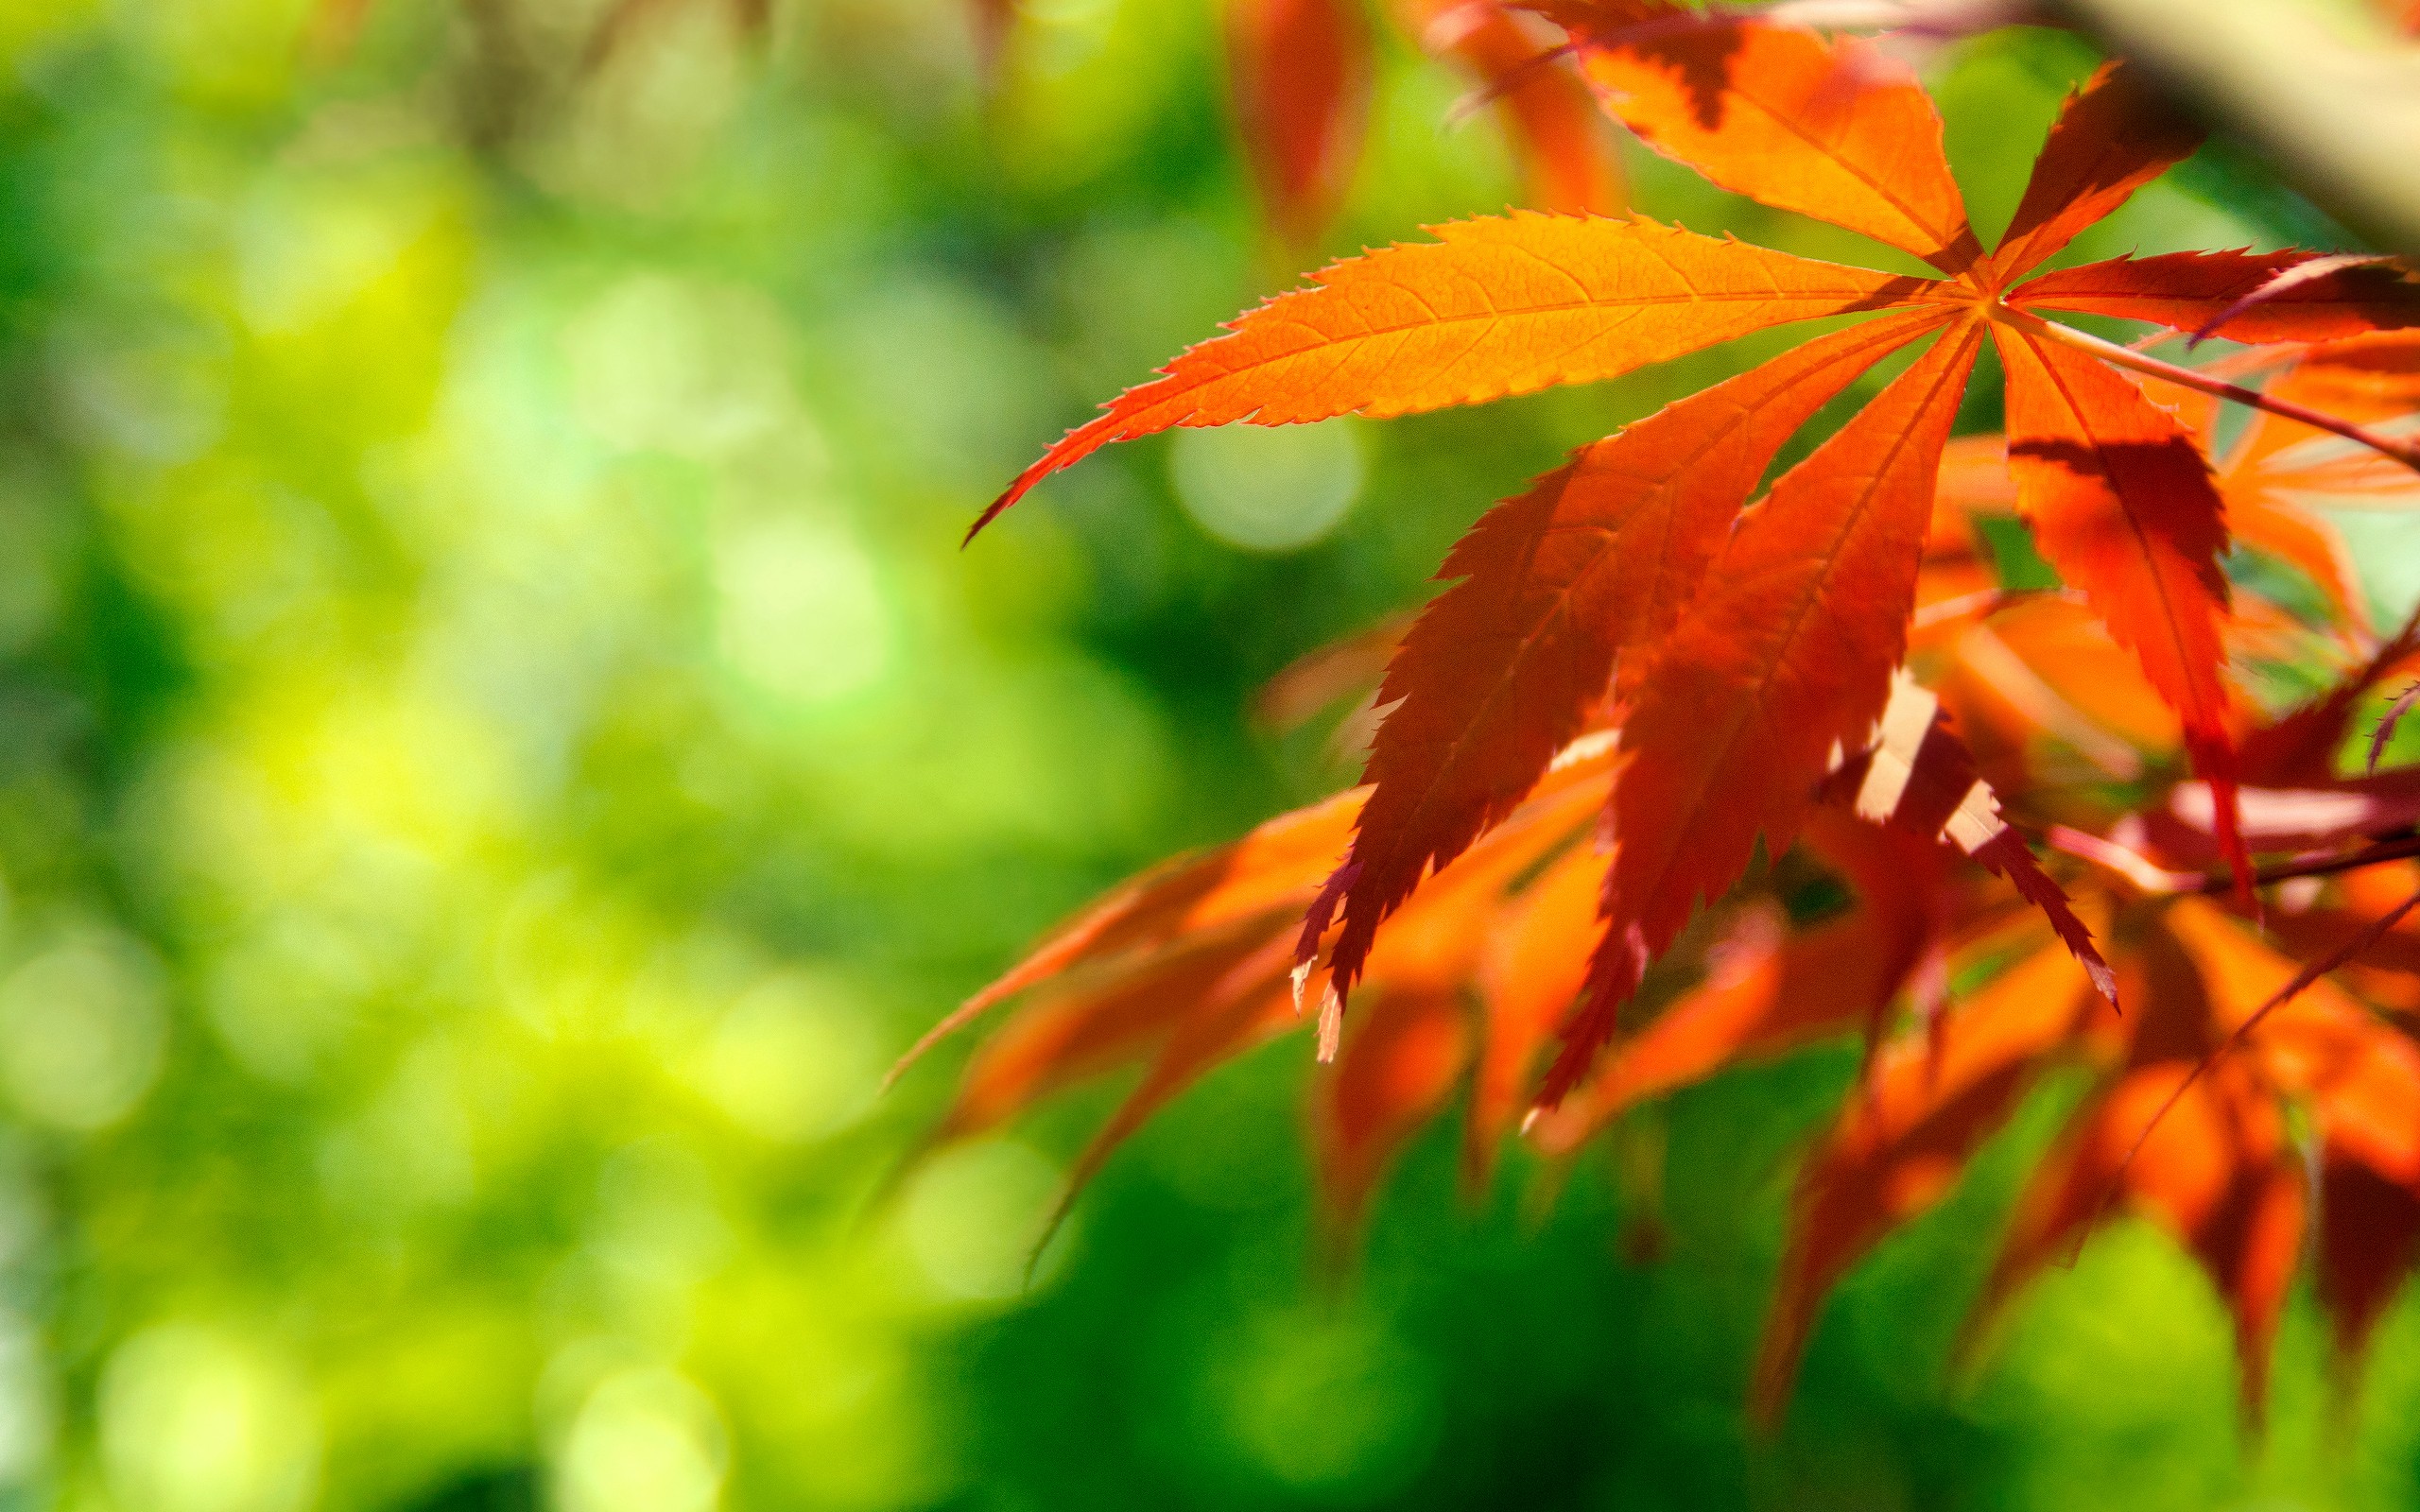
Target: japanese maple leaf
(1750, 646)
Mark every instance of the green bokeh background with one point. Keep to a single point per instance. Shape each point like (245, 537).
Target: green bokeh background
(499, 747)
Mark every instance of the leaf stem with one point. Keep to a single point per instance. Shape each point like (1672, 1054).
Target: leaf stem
(2405, 451)
(2158, 880)
(2400, 848)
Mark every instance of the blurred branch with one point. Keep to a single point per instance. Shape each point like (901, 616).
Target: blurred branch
(2339, 118)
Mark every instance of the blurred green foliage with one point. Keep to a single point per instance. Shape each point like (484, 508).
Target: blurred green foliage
(499, 747)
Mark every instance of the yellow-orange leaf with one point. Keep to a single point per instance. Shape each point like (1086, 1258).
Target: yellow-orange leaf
(1495, 306)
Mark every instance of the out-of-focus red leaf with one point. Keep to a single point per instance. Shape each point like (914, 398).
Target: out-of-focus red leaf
(2369, 1179)
(991, 20)
(2179, 835)
(1081, 1031)
(2217, 1173)
(1300, 71)
(336, 26)
(1900, 1145)
(2369, 1227)
(2232, 1190)
(1395, 1070)
(1767, 991)
(2314, 549)
(2277, 468)
(1975, 477)
(1565, 149)
(1274, 869)
(1803, 988)
(1335, 671)
(2301, 747)
(1246, 1006)
(2241, 976)
(2362, 378)
(2006, 696)
(1528, 978)
(2310, 932)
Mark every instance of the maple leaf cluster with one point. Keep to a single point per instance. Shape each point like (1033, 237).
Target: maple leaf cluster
(1572, 879)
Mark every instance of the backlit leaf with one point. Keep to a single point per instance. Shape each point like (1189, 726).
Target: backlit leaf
(2114, 135)
(2183, 290)
(1495, 306)
(1837, 129)
(2121, 502)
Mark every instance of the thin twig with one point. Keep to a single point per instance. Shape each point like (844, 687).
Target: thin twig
(2153, 879)
(2400, 848)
